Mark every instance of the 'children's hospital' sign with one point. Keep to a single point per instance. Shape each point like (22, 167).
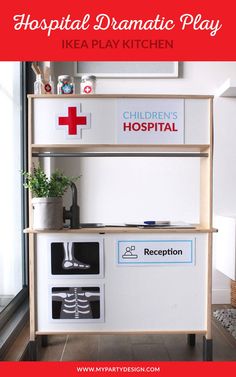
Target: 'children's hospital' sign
(150, 121)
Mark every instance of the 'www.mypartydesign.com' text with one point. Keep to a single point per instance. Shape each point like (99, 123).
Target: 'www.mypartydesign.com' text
(119, 369)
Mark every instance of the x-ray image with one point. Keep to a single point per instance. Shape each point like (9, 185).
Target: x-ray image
(76, 303)
(75, 258)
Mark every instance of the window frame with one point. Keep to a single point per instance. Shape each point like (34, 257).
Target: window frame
(15, 314)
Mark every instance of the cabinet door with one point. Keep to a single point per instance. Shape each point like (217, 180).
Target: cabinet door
(70, 284)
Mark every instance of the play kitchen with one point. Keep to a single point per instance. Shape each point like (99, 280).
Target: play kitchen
(115, 266)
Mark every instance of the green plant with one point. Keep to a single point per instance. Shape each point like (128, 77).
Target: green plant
(43, 187)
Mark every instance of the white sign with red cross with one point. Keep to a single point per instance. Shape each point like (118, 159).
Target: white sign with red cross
(73, 122)
(61, 120)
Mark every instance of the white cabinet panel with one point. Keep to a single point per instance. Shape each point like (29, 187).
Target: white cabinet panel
(47, 111)
(105, 118)
(137, 298)
(197, 117)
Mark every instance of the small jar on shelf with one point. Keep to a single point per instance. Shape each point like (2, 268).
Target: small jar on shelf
(88, 84)
(65, 85)
(49, 86)
(43, 87)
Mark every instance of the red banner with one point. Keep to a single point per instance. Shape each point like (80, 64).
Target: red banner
(99, 369)
(97, 30)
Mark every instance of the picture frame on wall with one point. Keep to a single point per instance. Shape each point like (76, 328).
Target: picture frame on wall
(128, 69)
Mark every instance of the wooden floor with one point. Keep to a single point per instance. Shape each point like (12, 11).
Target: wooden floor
(128, 347)
(137, 347)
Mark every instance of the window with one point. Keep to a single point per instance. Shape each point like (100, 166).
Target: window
(12, 250)
(11, 254)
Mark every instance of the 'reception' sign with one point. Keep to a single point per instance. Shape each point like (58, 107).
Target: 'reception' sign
(150, 121)
(156, 252)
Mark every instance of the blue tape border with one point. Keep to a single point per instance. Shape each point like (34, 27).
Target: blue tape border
(153, 263)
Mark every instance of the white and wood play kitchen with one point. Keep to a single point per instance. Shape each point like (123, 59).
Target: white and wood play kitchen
(146, 274)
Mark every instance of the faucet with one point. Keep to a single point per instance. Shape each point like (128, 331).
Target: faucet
(73, 213)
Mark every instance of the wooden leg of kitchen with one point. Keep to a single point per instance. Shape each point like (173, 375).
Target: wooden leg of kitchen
(207, 349)
(44, 340)
(33, 352)
(191, 339)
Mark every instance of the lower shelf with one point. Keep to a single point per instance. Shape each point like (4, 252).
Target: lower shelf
(201, 332)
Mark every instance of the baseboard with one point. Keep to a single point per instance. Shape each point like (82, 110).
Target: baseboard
(221, 296)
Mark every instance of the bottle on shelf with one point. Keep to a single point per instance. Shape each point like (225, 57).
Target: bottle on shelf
(49, 86)
(42, 86)
(38, 85)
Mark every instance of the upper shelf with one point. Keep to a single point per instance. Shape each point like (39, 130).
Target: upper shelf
(185, 148)
(183, 96)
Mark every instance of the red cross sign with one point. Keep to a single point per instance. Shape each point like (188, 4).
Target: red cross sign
(73, 120)
(87, 89)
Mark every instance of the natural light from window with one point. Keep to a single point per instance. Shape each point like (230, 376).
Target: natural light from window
(10, 187)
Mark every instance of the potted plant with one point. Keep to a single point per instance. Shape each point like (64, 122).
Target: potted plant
(47, 197)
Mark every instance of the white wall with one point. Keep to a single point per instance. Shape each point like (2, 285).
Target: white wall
(196, 78)
(224, 171)
(128, 190)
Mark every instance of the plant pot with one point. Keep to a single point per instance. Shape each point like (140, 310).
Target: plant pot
(47, 213)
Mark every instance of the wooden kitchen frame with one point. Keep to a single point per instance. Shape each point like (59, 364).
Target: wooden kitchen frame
(201, 234)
